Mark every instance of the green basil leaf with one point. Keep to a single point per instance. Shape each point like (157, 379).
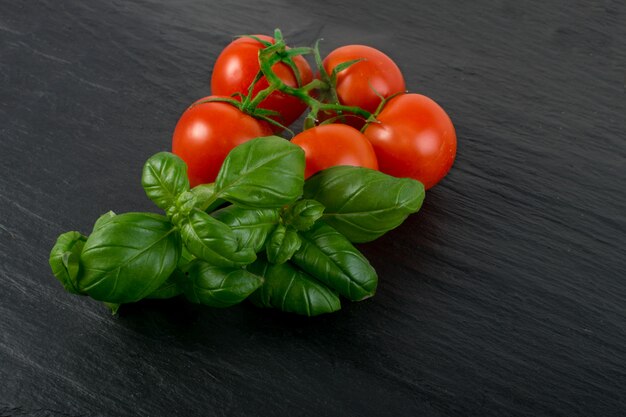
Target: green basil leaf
(264, 172)
(164, 178)
(282, 244)
(327, 255)
(292, 290)
(250, 226)
(213, 241)
(170, 288)
(205, 197)
(218, 286)
(102, 220)
(185, 257)
(303, 214)
(65, 260)
(129, 257)
(361, 203)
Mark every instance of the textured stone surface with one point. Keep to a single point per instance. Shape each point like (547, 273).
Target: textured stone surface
(505, 295)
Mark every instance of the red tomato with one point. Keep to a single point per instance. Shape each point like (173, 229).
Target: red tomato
(414, 138)
(206, 132)
(237, 66)
(334, 144)
(358, 84)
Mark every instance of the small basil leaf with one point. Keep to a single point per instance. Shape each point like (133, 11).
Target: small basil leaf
(102, 220)
(65, 260)
(303, 214)
(185, 202)
(218, 286)
(129, 257)
(213, 241)
(164, 178)
(282, 244)
(264, 172)
(327, 255)
(205, 197)
(361, 203)
(290, 289)
(170, 288)
(250, 226)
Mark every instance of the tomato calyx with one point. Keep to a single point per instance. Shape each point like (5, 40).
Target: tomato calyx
(319, 94)
(277, 52)
(383, 102)
(327, 94)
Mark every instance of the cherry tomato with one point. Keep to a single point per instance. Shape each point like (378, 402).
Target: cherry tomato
(237, 66)
(206, 132)
(362, 83)
(414, 138)
(334, 144)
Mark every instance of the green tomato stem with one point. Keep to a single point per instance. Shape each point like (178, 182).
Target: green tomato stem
(276, 53)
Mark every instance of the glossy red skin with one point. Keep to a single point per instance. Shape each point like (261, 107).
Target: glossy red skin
(356, 84)
(326, 146)
(414, 138)
(238, 64)
(206, 132)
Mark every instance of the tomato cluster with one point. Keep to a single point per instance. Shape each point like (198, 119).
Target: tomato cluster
(360, 113)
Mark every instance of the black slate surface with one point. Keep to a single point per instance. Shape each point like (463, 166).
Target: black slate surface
(504, 296)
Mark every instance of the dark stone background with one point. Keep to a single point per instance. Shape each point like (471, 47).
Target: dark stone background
(504, 296)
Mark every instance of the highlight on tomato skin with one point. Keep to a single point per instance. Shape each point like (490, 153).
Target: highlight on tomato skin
(414, 137)
(330, 145)
(237, 66)
(206, 132)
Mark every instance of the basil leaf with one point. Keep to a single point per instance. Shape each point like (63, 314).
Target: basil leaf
(327, 255)
(282, 244)
(204, 194)
(217, 286)
(264, 172)
(129, 257)
(361, 203)
(170, 288)
(185, 257)
(213, 241)
(164, 178)
(65, 260)
(303, 214)
(102, 220)
(250, 226)
(289, 289)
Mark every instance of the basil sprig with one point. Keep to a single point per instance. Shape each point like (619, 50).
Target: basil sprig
(258, 232)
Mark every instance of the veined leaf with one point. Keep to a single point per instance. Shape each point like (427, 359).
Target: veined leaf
(290, 289)
(128, 257)
(361, 203)
(264, 172)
